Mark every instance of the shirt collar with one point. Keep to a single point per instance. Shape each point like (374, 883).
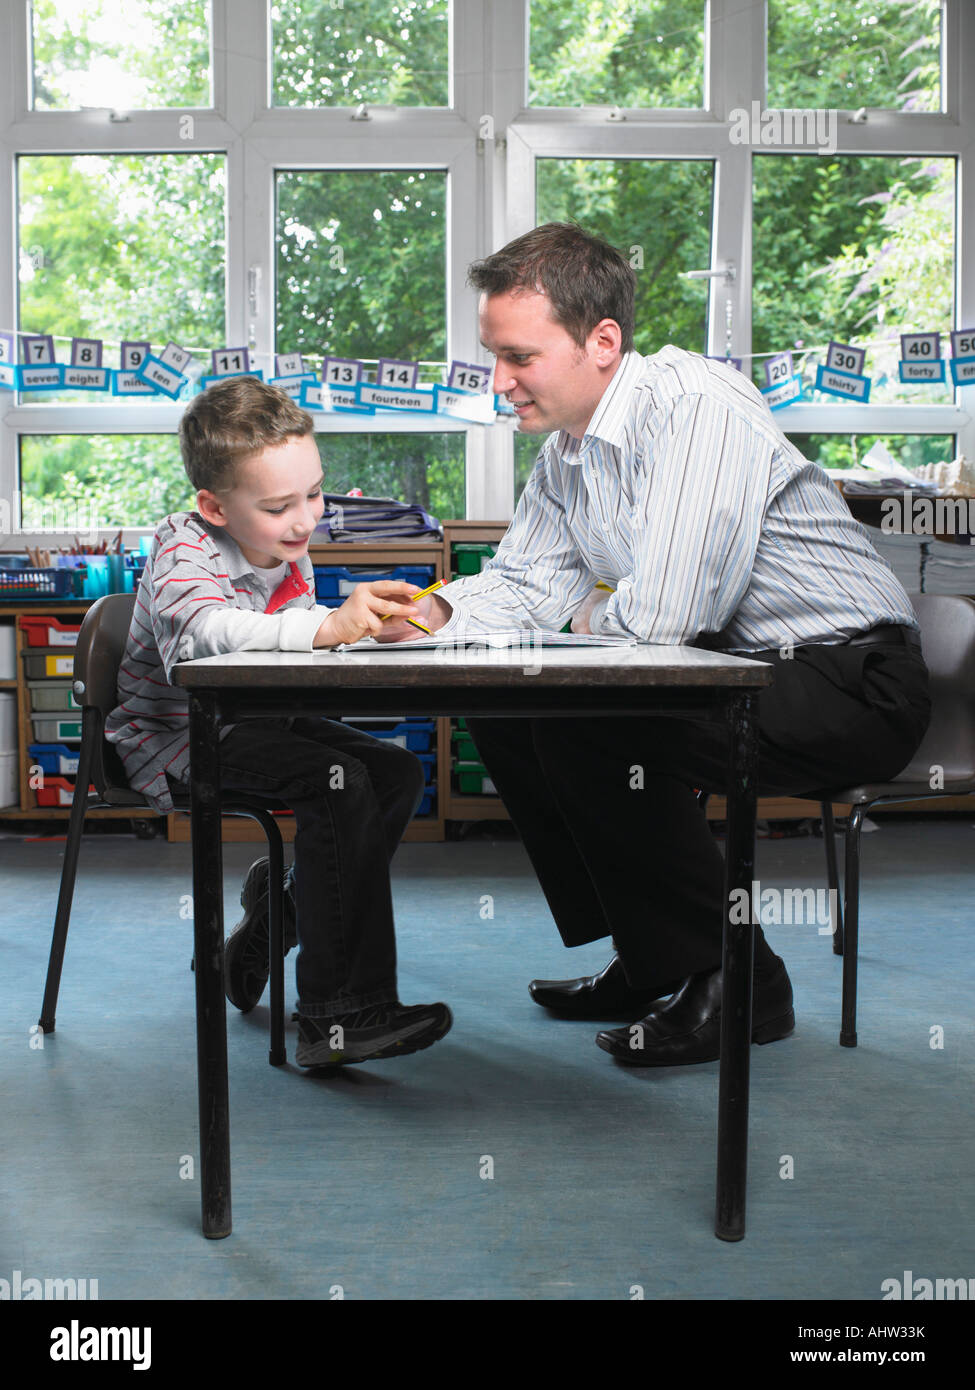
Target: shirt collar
(609, 418)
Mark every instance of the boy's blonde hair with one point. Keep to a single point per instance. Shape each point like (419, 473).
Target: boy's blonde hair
(233, 420)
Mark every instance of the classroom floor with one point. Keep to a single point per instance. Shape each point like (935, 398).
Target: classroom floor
(514, 1160)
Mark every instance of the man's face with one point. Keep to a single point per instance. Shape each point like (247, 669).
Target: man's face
(553, 383)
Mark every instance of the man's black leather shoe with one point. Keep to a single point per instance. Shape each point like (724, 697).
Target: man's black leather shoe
(606, 995)
(687, 1029)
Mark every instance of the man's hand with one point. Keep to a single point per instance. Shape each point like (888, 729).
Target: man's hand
(580, 620)
(434, 611)
(361, 615)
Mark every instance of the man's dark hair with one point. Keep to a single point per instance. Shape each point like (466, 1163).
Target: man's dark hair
(233, 420)
(585, 278)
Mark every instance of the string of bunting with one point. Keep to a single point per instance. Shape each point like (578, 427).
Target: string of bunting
(341, 386)
(344, 386)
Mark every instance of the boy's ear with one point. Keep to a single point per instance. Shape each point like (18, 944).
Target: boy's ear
(210, 507)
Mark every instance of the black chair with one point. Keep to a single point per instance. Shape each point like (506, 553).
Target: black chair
(948, 641)
(98, 654)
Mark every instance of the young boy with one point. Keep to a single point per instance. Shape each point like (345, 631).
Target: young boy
(235, 576)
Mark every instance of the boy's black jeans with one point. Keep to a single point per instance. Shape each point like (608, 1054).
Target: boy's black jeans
(353, 796)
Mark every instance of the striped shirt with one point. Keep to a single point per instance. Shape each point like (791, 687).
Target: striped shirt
(198, 597)
(685, 498)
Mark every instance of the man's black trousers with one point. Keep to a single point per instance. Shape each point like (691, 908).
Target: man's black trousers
(607, 810)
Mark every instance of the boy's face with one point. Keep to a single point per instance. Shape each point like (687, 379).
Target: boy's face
(275, 504)
(553, 383)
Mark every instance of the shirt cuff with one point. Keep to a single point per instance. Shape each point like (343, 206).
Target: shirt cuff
(299, 626)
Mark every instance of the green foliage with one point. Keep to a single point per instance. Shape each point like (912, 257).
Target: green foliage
(327, 53)
(853, 53)
(610, 53)
(136, 53)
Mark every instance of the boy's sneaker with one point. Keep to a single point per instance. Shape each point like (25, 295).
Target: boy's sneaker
(382, 1030)
(246, 951)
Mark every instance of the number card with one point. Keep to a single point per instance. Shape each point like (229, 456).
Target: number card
(40, 372)
(402, 375)
(479, 407)
(841, 357)
(466, 376)
(164, 372)
(86, 372)
(86, 352)
(174, 356)
(921, 357)
(133, 355)
(231, 362)
(841, 376)
(341, 372)
(963, 356)
(783, 392)
(778, 369)
(396, 397)
(8, 362)
(289, 364)
(38, 349)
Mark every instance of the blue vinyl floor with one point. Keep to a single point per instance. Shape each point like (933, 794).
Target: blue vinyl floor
(514, 1160)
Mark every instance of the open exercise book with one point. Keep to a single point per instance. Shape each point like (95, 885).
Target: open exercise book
(516, 637)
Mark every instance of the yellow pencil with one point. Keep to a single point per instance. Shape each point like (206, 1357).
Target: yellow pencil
(422, 594)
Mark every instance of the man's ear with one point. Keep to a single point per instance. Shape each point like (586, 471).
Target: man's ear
(210, 507)
(607, 341)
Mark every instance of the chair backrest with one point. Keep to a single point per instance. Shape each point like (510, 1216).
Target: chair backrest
(948, 642)
(97, 657)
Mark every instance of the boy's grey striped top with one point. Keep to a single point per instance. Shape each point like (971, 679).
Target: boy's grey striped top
(688, 500)
(198, 597)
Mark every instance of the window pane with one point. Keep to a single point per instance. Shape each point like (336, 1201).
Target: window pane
(609, 53)
(657, 212)
(848, 450)
(121, 54)
(123, 247)
(853, 53)
(370, 51)
(362, 263)
(428, 469)
(855, 250)
(78, 482)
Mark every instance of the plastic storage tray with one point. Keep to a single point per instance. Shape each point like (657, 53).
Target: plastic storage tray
(55, 758)
(416, 736)
(61, 727)
(37, 583)
(52, 695)
(44, 631)
(39, 665)
(56, 791)
(338, 581)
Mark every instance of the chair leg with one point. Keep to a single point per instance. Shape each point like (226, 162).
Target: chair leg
(829, 839)
(848, 1025)
(278, 1053)
(76, 825)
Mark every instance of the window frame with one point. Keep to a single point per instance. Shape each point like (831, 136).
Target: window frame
(490, 185)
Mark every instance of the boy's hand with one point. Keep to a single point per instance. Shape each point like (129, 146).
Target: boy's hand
(361, 615)
(433, 611)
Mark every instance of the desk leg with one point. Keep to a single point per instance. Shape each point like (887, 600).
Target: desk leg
(211, 1013)
(736, 1001)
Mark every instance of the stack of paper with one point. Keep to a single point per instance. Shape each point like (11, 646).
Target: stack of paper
(903, 553)
(949, 567)
(375, 519)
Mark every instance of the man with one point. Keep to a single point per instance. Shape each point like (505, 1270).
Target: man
(666, 478)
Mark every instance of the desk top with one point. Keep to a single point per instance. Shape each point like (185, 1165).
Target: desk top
(475, 665)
